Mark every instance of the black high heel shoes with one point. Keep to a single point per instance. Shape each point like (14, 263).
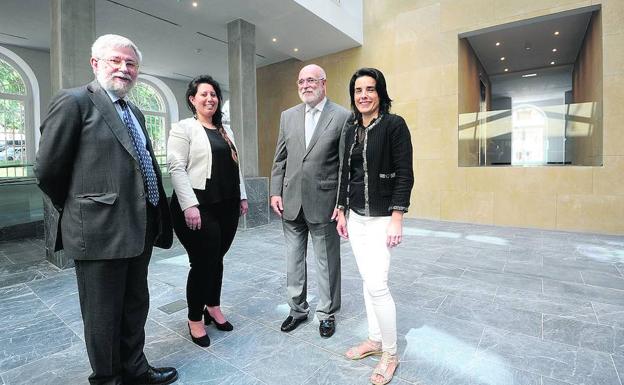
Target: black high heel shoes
(204, 341)
(224, 327)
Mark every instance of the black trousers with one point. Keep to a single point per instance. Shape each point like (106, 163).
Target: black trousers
(114, 301)
(206, 248)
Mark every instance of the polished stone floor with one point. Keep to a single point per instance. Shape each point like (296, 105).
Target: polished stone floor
(476, 305)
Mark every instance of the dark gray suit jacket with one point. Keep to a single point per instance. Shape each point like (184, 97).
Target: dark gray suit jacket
(308, 178)
(88, 167)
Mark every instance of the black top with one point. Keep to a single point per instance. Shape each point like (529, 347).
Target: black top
(356, 182)
(224, 182)
(389, 176)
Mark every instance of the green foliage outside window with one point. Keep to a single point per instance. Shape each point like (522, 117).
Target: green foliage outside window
(152, 105)
(12, 122)
(10, 80)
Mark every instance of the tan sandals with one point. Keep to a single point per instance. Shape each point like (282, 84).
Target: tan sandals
(365, 349)
(384, 371)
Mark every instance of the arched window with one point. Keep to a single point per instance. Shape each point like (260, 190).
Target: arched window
(152, 104)
(14, 101)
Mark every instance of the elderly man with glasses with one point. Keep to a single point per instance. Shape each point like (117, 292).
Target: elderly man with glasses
(304, 183)
(96, 164)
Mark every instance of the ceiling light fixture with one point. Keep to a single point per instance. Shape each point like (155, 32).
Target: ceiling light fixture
(502, 58)
(529, 75)
(506, 69)
(274, 39)
(497, 43)
(296, 49)
(556, 33)
(552, 62)
(554, 49)
(194, 3)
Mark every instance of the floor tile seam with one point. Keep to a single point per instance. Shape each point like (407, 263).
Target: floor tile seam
(507, 365)
(532, 371)
(194, 346)
(507, 274)
(499, 305)
(49, 331)
(587, 286)
(308, 342)
(597, 323)
(72, 343)
(576, 348)
(230, 336)
(516, 333)
(27, 322)
(311, 376)
(616, 369)
(581, 347)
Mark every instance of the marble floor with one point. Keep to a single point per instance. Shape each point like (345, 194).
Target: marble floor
(476, 305)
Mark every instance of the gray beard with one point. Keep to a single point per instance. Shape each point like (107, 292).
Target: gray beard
(110, 86)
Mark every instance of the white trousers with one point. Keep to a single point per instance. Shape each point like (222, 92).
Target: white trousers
(367, 236)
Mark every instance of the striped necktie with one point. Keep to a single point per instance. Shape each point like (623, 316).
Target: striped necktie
(145, 159)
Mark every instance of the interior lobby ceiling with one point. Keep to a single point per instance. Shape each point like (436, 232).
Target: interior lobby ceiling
(529, 45)
(181, 41)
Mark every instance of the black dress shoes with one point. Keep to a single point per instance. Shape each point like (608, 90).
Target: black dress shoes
(156, 376)
(327, 327)
(291, 323)
(224, 327)
(203, 341)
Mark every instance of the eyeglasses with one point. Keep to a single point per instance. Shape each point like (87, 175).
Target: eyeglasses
(116, 63)
(310, 81)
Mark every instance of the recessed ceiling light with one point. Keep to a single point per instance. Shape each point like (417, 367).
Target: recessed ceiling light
(497, 43)
(552, 62)
(502, 58)
(556, 33)
(296, 49)
(274, 39)
(194, 3)
(554, 49)
(529, 75)
(506, 69)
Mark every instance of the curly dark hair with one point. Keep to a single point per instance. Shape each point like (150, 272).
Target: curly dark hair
(385, 103)
(217, 118)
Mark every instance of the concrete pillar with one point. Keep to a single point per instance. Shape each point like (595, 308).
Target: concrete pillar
(242, 76)
(243, 117)
(73, 32)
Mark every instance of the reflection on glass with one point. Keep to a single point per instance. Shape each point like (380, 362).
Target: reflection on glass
(531, 135)
(527, 139)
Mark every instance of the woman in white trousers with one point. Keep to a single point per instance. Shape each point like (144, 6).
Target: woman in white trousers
(376, 179)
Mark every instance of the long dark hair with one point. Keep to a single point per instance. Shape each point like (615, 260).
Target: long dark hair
(191, 90)
(385, 103)
(217, 118)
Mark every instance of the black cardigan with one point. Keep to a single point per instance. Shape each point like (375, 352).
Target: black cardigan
(389, 176)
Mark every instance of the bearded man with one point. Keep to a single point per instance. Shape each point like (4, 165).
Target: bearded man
(96, 164)
(304, 182)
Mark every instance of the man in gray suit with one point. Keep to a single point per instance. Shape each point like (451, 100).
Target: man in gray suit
(96, 164)
(304, 182)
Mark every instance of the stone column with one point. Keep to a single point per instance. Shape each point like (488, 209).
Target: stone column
(243, 118)
(73, 32)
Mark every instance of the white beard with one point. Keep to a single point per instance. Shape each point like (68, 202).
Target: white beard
(121, 90)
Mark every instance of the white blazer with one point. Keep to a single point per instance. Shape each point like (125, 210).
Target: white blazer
(189, 158)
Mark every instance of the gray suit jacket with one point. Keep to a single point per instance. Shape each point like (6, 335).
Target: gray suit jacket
(308, 178)
(88, 167)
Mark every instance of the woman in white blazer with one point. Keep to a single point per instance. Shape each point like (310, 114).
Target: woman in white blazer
(209, 196)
